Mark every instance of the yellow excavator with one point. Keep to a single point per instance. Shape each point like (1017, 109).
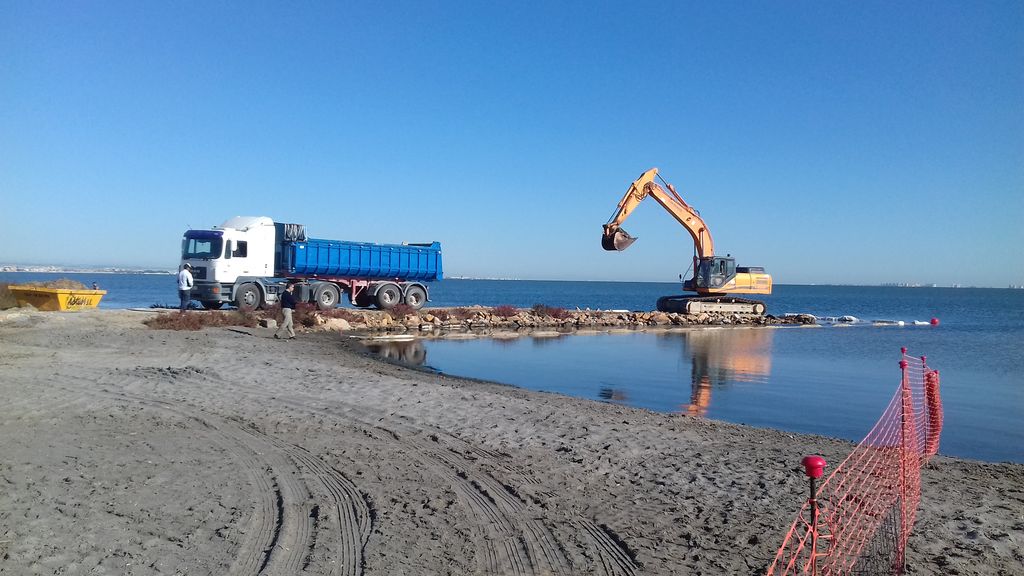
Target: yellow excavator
(715, 278)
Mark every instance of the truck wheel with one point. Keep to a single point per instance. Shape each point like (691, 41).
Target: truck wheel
(326, 297)
(248, 297)
(415, 297)
(209, 305)
(388, 296)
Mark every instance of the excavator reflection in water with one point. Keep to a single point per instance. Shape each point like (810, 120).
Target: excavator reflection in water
(721, 356)
(718, 357)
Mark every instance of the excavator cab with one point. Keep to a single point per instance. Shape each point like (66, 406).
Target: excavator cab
(712, 274)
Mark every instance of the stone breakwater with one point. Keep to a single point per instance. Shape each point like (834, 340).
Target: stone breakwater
(482, 318)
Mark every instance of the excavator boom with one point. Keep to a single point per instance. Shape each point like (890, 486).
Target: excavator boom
(615, 238)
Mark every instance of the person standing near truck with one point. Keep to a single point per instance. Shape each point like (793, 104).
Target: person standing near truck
(287, 307)
(185, 286)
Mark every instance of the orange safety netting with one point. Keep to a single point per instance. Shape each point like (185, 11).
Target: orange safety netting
(857, 521)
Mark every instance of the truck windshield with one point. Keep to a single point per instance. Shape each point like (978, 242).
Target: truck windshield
(202, 248)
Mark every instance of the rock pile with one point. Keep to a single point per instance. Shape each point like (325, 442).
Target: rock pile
(506, 318)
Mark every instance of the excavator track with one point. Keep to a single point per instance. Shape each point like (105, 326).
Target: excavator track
(696, 304)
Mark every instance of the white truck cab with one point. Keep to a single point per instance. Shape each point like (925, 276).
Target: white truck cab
(243, 246)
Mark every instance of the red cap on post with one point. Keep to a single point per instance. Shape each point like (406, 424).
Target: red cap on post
(814, 466)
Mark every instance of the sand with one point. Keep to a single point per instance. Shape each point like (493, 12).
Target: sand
(135, 451)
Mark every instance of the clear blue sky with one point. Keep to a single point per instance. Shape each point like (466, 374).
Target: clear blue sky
(854, 142)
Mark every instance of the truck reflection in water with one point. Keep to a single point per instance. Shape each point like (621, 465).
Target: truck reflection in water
(410, 352)
(721, 356)
(612, 395)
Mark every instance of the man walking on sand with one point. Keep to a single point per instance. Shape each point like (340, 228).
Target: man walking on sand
(185, 286)
(287, 307)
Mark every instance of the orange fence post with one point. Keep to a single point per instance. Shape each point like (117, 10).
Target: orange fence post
(934, 403)
(906, 436)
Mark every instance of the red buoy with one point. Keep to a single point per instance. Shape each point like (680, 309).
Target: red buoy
(814, 466)
(935, 321)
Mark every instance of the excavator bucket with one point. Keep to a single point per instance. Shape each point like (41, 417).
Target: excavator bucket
(617, 239)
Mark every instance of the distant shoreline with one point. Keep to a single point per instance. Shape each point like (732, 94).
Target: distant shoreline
(49, 270)
(40, 269)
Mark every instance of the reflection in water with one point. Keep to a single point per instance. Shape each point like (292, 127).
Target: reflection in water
(405, 351)
(612, 394)
(720, 356)
(717, 357)
(541, 339)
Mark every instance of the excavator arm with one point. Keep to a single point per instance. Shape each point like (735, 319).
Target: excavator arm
(615, 238)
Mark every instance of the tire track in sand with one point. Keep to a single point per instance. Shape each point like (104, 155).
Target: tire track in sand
(352, 514)
(284, 534)
(512, 534)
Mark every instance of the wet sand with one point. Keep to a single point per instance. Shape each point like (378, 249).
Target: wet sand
(135, 451)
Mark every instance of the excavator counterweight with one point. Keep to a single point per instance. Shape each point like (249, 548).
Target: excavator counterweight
(714, 279)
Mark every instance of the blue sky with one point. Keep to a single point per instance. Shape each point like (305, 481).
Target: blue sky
(854, 142)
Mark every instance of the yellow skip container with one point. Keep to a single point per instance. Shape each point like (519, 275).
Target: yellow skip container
(56, 299)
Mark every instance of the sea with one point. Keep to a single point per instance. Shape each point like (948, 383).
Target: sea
(832, 380)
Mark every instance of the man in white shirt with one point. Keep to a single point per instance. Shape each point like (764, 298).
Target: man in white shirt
(185, 286)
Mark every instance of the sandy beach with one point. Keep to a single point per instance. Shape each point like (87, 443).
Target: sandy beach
(128, 450)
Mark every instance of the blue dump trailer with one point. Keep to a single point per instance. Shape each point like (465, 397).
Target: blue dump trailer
(316, 257)
(248, 261)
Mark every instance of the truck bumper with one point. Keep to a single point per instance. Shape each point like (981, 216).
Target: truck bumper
(211, 292)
